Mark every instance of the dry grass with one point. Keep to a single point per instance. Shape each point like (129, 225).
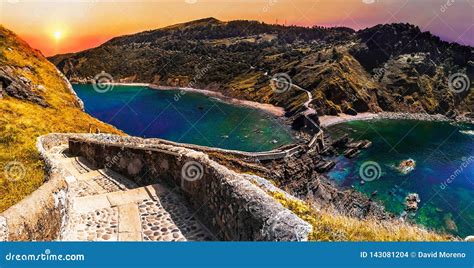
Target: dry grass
(21, 122)
(328, 226)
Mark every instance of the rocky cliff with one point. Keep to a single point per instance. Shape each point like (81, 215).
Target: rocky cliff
(393, 67)
(35, 99)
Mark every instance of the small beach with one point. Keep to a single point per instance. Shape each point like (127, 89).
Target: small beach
(269, 108)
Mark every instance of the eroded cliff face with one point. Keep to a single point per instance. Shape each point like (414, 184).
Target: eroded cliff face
(393, 67)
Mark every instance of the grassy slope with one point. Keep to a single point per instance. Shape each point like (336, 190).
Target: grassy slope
(328, 226)
(21, 122)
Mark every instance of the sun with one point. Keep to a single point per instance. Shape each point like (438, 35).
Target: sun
(57, 35)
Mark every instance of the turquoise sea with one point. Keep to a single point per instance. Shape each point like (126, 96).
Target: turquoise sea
(184, 117)
(443, 176)
(443, 152)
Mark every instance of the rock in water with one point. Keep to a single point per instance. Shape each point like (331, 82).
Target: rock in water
(406, 166)
(412, 201)
(469, 238)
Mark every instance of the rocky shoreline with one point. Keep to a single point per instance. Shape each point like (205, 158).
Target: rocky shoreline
(328, 120)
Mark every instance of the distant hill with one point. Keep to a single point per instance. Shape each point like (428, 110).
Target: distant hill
(393, 67)
(35, 99)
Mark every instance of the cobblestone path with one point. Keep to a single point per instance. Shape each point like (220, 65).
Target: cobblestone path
(109, 207)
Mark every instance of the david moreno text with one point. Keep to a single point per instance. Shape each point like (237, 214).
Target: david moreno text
(441, 254)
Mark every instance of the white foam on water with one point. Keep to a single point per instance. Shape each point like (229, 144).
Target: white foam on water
(467, 132)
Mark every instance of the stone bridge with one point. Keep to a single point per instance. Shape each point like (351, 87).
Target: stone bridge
(114, 188)
(317, 141)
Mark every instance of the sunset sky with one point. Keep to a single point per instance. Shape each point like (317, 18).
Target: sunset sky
(70, 26)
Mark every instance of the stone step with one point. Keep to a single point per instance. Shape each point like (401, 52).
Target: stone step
(89, 175)
(109, 177)
(113, 199)
(91, 203)
(75, 166)
(82, 188)
(97, 225)
(129, 228)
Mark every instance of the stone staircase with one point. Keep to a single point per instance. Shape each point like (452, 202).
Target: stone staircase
(106, 206)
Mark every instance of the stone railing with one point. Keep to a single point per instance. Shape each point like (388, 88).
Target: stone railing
(41, 215)
(260, 156)
(229, 204)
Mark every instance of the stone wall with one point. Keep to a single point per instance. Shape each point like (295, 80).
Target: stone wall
(41, 215)
(150, 142)
(230, 205)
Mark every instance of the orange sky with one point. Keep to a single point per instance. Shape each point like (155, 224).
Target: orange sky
(85, 24)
